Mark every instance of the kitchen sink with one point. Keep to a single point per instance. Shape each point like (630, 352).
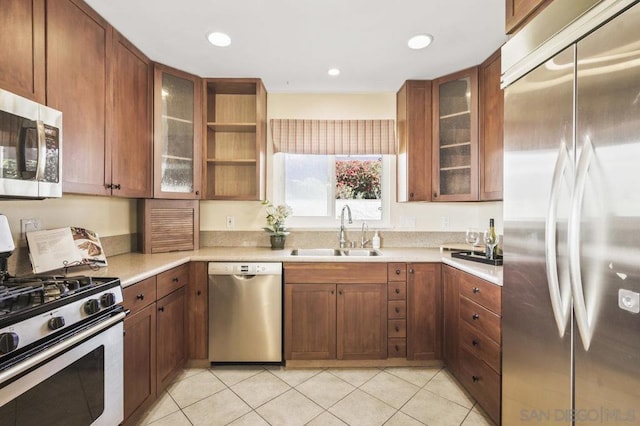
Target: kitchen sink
(335, 252)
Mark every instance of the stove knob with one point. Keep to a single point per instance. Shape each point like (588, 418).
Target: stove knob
(8, 342)
(56, 323)
(92, 306)
(108, 299)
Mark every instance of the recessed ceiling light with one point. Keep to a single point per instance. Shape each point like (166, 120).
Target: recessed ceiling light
(420, 41)
(219, 39)
(334, 72)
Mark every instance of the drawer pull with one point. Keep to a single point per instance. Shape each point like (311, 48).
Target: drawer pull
(475, 379)
(175, 279)
(397, 310)
(397, 291)
(476, 290)
(475, 343)
(475, 316)
(397, 271)
(397, 348)
(397, 328)
(411, 271)
(161, 308)
(140, 296)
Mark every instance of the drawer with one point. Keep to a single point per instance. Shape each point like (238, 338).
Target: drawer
(397, 291)
(173, 279)
(396, 328)
(397, 272)
(396, 309)
(480, 346)
(397, 348)
(482, 383)
(480, 319)
(139, 295)
(482, 292)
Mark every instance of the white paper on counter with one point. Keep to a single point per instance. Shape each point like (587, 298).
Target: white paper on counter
(52, 249)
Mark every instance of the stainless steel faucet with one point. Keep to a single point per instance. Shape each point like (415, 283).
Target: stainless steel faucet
(343, 233)
(363, 236)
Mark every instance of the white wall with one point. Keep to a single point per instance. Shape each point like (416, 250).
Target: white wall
(427, 216)
(106, 215)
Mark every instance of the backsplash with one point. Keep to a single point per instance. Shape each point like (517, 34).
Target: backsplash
(313, 239)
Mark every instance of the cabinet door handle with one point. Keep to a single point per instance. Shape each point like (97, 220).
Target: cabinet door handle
(475, 343)
(332, 292)
(410, 270)
(197, 192)
(116, 186)
(109, 186)
(397, 271)
(397, 291)
(161, 308)
(140, 296)
(475, 317)
(397, 328)
(435, 195)
(175, 279)
(475, 379)
(397, 348)
(340, 292)
(411, 195)
(198, 293)
(476, 290)
(397, 310)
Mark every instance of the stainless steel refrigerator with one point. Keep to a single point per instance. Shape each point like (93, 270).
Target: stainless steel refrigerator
(571, 295)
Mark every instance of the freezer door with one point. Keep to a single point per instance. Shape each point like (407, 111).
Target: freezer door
(538, 158)
(606, 250)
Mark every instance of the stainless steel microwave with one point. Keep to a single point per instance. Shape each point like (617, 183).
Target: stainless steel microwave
(30, 148)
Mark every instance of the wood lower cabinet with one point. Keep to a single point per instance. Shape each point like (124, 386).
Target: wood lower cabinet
(335, 311)
(361, 325)
(310, 321)
(22, 34)
(155, 346)
(172, 350)
(474, 321)
(424, 311)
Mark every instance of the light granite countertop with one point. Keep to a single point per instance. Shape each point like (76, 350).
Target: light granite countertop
(134, 267)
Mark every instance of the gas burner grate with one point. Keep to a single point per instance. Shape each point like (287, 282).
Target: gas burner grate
(16, 297)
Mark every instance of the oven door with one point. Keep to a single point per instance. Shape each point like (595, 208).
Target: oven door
(75, 382)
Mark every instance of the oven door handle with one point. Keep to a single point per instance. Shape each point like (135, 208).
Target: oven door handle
(48, 353)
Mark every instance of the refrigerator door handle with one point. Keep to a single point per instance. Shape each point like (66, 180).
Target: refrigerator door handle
(560, 305)
(579, 305)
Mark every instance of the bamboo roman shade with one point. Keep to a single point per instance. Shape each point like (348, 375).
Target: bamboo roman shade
(330, 137)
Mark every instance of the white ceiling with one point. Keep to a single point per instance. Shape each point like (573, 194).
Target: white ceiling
(291, 44)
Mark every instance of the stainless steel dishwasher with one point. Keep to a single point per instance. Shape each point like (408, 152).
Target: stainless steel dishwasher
(245, 312)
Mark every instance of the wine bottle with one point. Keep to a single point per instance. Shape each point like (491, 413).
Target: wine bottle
(490, 240)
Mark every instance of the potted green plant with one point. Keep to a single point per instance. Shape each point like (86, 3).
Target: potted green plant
(276, 216)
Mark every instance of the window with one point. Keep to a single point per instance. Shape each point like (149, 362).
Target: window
(317, 187)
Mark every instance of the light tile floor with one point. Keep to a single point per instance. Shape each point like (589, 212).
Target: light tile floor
(256, 395)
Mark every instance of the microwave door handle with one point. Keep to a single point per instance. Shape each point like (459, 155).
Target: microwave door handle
(579, 303)
(42, 151)
(561, 306)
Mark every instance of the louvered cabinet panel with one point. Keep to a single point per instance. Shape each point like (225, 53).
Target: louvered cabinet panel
(168, 225)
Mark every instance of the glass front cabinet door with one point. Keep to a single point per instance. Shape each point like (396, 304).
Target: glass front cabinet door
(177, 134)
(455, 137)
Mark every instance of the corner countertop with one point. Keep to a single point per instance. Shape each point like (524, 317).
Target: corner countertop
(134, 267)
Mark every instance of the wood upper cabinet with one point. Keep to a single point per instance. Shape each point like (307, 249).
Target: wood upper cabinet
(310, 321)
(130, 121)
(102, 85)
(518, 12)
(177, 120)
(455, 136)
(424, 311)
(78, 48)
(235, 146)
(362, 321)
(22, 63)
(413, 110)
(491, 129)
